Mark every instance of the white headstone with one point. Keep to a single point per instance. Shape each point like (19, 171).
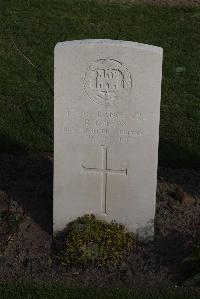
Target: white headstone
(107, 109)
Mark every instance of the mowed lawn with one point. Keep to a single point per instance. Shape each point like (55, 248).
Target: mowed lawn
(58, 291)
(35, 26)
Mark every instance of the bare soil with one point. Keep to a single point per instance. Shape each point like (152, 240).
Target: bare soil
(26, 185)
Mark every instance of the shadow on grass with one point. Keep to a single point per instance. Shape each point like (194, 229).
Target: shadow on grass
(28, 180)
(9, 145)
(174, 156)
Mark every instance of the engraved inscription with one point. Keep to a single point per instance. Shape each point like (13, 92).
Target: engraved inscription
(107, 81)
(108, 126)
(104, 171)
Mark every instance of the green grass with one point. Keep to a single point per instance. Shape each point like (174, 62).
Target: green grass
(36, 26)
(58, 291)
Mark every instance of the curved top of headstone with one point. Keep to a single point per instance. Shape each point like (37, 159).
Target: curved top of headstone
(135, 45)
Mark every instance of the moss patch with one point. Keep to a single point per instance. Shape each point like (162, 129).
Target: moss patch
(89, 240)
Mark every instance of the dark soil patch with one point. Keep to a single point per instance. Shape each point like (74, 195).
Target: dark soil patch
(27, 182)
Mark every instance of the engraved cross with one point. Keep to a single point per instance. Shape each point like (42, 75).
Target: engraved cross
(104, 171)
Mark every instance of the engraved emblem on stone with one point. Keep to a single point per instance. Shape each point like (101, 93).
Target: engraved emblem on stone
(107, 81)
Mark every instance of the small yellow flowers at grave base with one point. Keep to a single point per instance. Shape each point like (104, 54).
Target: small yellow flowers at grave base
(89, 240)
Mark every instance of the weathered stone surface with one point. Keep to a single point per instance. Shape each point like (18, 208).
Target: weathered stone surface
(107, 107)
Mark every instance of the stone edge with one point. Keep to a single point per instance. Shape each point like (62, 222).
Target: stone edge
(135, 45)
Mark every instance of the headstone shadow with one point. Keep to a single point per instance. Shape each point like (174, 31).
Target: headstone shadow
(28, 180)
